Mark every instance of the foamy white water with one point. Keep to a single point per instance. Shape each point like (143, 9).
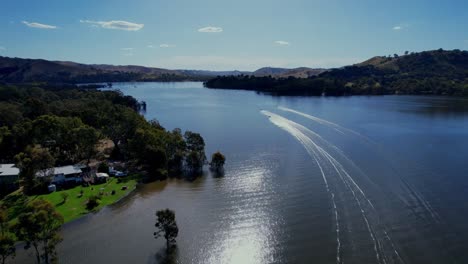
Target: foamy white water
(315, 145)
(321, 121)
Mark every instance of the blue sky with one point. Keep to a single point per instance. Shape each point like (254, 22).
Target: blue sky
(226, 35)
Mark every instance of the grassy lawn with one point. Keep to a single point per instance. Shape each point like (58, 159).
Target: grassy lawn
(75, 206)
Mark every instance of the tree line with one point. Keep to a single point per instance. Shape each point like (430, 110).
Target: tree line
(432, 72)
(42, 127)
(38, 227)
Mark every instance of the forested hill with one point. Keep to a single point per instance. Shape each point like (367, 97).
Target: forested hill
(429, 72)
(17, 70)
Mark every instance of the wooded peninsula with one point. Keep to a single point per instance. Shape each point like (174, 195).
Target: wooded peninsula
(58, 146)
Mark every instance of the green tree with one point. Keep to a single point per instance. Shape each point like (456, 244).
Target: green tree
(93, 202)
(120, 125)
(9, 114)
(30, 162)
(147, 147)
(175, 149)
(4, 132)
(217, 161)
(156, 162)
(39, 226)
(166, 226)
(67, 138)
(196, 157)
(7, 241)
(103, 167)
(86, 139)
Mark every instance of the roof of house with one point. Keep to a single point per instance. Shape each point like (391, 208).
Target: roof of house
(8, 170)
(65, 170)
(70, 169)
(102, 174)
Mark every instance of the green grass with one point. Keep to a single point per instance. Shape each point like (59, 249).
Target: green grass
(75, 206)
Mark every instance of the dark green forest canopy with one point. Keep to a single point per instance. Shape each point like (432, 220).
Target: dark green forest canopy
(436, 72)
(18, 70)
(70, 121)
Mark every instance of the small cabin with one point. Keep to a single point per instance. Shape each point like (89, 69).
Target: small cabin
(9, 175)
(102, 177)
(62, 175)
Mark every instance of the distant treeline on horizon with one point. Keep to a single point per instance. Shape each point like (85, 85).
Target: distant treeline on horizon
(436, 72)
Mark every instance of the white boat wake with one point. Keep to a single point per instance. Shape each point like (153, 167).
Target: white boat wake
(321, 121)
(415, 196)
(346, 194)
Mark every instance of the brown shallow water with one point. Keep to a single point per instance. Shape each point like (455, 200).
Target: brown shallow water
(308, 180)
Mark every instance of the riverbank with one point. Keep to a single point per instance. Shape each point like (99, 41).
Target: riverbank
(75, 204)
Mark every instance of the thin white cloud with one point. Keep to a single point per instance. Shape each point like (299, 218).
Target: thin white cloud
(282, 43)
(127, 49)
(164, 46)
(210, 29)
(2, 48)
(115, 24)
(400, 27)
(38, 25)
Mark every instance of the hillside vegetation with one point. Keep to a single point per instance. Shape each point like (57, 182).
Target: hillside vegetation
(17, 70)
(65, 126)
(431, 72)
(301, 72)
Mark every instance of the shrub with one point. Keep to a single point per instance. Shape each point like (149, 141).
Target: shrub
(93, 202)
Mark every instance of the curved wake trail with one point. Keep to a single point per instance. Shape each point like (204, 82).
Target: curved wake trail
(335, 211)
(416, 196)
(321, 121)
(380, 239)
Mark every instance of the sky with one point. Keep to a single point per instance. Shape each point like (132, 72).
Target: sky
(228, 35)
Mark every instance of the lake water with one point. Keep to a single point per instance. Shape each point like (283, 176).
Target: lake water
(380, 179)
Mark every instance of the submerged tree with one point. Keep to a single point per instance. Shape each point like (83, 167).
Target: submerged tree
(195, 147)
(39, 227)
(7, 241)
(166, 226)
(217, 162)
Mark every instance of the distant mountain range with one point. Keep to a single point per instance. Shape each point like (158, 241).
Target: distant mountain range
(18, 70)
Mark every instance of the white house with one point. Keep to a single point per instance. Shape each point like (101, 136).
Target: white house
(64, 174)
(102, 177)
(8, 173)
